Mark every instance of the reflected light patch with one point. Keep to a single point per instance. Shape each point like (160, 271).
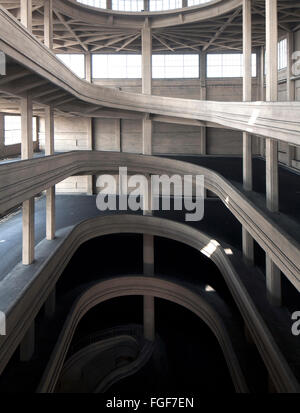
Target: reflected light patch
(227, 200)
(2, 240)
(209, 289)
(254, 116)
(210, 248)
(228, 251)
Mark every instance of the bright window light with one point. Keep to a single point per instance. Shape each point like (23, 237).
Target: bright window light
(156, 5)
(227, 65)
(74, 62)
(282, 54)
(175, 66)
(195, 2)
(128, 5)
(109, 66)
(94, 3)
(12, 129)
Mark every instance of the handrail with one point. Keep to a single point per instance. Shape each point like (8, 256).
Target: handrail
(23, 179)
(277, 120)
(142, 285)
(24, 291)
(162, 18)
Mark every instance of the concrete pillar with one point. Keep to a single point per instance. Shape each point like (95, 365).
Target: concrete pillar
(290, 90)
(146, 60)
(2, 132)
(273, 276)
(26, 127)
(88, 67)
(146, 5)
(109, 4)
(50, 192)
(202, 65)
(28, 205)
(48, 24)
(26, 13)
(50, 304)
(247, 240)
(149, 304)
(273, 280)
(147, 86)
(27, 344)
(184, 3)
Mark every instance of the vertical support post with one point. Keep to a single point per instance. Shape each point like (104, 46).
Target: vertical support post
(26, 14)
(273, 275)
(290, 90)
(90, 146)
(203, 57)
(184, 3)
(28, 205)
(50, 192)
(48, 24)
(247, 240)
(2, 132)
(146, 5)
(88, 67)
(118, 134)
(109, 4)
(28, 344)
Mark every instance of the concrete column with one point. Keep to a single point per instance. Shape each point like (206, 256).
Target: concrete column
(247, 91)
(261, 91)
(50, 192)
(26, 13)
(273, 276)
(88, 67)
(202, 65)
(2, 131)
(290, 90)
(273, 280)
(148, 247)
(247, 240)
(26, 128)
(272, 95)
(28, 205)
(90, 146)
(50, 304)
(184, 3)
(146, 5)
(147, 60)
(149, 303)
(48, 24)
(27, 344)
(109, 4)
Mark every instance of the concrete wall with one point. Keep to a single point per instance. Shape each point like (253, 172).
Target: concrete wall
(69, 134)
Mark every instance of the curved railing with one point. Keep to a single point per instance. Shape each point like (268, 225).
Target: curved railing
(278, 120)
(163, 18)
(141, 285)
(97, 360)
(26, 289)
(21, 180)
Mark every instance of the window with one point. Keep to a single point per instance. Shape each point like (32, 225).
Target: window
(128, 5)
(95, 3)
(12, 129)
(74, 62)
(282, 54)
(156, 5)
(110, 66)
(227, 65)
(175, 66)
